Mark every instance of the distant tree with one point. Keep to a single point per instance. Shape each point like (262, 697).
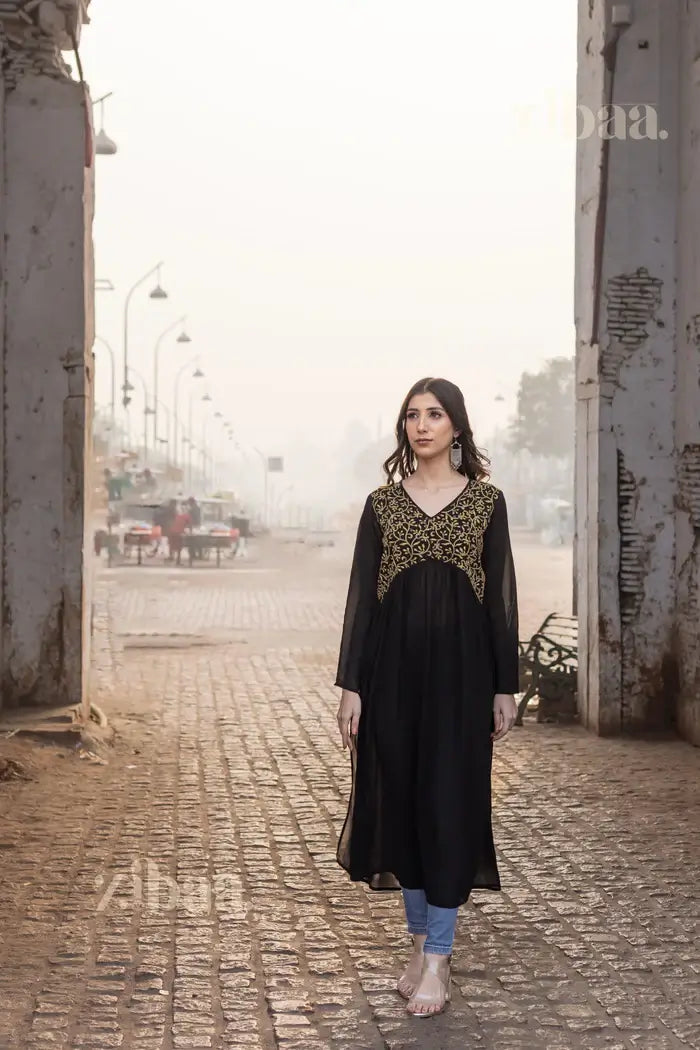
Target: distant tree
(544, 422)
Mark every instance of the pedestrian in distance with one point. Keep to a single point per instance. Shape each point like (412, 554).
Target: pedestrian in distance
(428, 668)
(195, 512)
(163, 521)
(114, 486)
(181, 523)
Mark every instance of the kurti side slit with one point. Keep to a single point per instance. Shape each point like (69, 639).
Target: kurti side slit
(430, 635)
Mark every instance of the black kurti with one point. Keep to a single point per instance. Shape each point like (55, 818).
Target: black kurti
(430, 635)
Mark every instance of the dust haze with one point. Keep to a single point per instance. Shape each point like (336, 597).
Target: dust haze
(346, 196)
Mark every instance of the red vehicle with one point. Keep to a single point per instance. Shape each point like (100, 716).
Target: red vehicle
(214, 534)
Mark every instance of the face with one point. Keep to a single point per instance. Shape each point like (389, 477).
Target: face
(428, 427)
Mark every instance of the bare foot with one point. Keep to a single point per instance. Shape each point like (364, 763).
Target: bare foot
(409, 979)
(433, 990)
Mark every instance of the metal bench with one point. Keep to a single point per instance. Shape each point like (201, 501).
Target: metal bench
(549, 668)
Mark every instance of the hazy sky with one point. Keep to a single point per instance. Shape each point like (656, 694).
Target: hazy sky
(347, 194)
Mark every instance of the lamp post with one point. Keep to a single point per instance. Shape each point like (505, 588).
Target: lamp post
(219, 416)
(217, 448)
(178, 442)
(103, 143)
(263, 457)
(164, 441)
(187, 444)
(110, 351)
(192, 451)
(146, 409)
(204, 397)
(205, 452)
(157, 293)
(197, 374)
(182, 338)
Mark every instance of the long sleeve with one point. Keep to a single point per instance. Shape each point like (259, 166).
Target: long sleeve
(361, 600)
(500, 598)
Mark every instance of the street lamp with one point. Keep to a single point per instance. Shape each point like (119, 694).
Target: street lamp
(99, 339)
(164, 441)
(191, 455)
(103, 143)
(204, 397)
(156, 293)
(182, 338)
(204, 443)
(265, 464)
(197, 374)
(147, 410)
(226, 431)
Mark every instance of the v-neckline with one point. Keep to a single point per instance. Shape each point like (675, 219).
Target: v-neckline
(442, 509)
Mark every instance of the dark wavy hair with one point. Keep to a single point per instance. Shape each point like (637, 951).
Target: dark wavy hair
(475, 463)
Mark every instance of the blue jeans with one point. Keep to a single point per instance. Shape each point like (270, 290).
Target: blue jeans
(438, 923)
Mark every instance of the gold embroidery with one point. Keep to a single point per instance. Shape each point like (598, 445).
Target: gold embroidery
(455, 534)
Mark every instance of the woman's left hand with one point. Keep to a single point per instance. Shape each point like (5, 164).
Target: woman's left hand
(505, 711)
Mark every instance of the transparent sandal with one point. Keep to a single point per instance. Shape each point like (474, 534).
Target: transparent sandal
(414, 958)
(432, 965)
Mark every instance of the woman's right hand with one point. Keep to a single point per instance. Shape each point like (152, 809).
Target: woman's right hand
(349, 713)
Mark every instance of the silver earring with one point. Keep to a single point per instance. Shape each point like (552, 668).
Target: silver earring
(456, 454)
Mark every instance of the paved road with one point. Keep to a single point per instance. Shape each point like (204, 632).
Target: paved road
(186, 894)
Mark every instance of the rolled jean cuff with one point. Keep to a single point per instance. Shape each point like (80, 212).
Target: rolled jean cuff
(417, 929)
(437, 949)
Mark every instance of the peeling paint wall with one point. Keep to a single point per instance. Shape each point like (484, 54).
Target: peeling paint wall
(687, 408)
(3, 389)
(638, 378)
(47, 318)
(638, 408)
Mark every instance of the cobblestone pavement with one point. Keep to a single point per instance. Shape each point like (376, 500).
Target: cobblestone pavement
(185, 895)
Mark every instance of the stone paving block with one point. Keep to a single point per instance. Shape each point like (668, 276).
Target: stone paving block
(187, 894)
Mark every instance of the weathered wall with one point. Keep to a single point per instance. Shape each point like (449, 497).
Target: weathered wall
(633, 405)
(687, 412)
(3, 390)
(47, 321)
(590, 86)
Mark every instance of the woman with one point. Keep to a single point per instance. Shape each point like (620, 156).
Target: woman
(428, 667)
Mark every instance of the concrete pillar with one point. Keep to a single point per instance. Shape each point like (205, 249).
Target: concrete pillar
(46, 208)
(687, 408)
(633, 365)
